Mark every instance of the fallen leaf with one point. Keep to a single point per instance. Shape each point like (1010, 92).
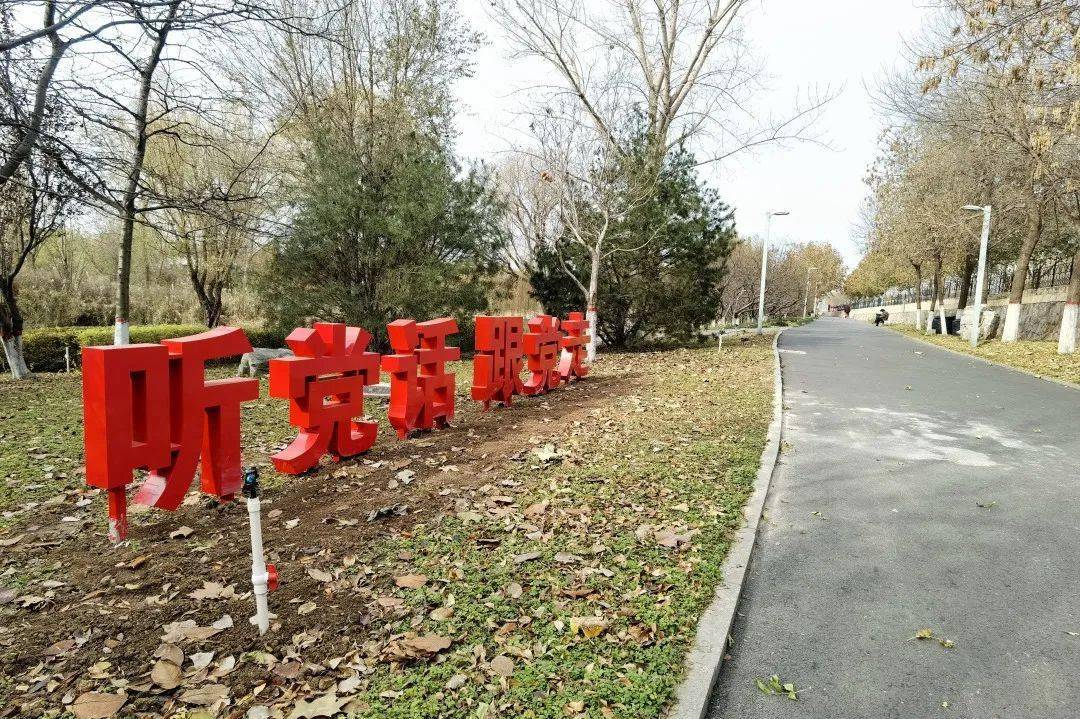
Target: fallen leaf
(319, 575)
(182, 533)
(526, 557)
(502, 665)
(60, 648)
(96, 705)
(11, 541)
(589, 627)
(441, 614)
(201, 660)
(170, 652)
(205, 696)
(166, 674)
(325, 706)
(411, 581)
(213, 590)
(306, 608)
(187, 630)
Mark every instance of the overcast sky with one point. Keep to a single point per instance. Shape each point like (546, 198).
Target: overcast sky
(803, 43)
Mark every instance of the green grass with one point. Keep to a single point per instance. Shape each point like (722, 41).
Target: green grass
(682, 456)
(41, 436)
(1035, 357)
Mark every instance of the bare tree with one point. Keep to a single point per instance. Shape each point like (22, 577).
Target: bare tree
(213, 234)
(532, 210)
(594, 191)
(682, 62)
(132, 66)
(33, 208)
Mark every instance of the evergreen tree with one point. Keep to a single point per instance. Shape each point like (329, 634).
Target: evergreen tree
(666, 280)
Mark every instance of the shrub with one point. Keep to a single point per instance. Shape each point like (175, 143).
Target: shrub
(265, 338)
(44, 346)
(139, 334)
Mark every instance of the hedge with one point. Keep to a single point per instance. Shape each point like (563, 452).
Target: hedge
(44, 346)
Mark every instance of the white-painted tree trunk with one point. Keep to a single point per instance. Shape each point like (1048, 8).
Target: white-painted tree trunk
(918, 317)
(1069, 315)
(1010, 332)
(16, 359)
(930, 322)
(944, 326)
(121, 333)
(1067, 335)
(590, 310)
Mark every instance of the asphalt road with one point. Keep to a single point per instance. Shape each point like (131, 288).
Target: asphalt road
(873, 531)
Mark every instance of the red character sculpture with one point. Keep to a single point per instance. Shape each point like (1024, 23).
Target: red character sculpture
(324, 384)
(574, 344)
(498, 360)
(150, 407)
(421, 390)
(542, 350)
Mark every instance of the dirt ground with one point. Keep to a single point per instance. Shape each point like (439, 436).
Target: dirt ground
(79, 602)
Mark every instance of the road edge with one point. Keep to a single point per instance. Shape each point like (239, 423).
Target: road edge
(984, 360)
(710, 644)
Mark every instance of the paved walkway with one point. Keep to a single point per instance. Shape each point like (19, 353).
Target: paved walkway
(874, 531)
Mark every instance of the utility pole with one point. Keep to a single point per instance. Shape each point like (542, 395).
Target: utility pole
(764, 266)
(980, 277)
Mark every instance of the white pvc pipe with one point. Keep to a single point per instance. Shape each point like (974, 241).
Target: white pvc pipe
(259, 576)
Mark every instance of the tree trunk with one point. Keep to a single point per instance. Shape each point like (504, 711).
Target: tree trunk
(1071, 313)
(918, 294)
(590, 300)
(1011, 330)
(32, 132)
(965, 282)
(129, 206)
(934, 299)
(11, 331)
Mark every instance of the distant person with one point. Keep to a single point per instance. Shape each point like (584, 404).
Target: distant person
(881, 317)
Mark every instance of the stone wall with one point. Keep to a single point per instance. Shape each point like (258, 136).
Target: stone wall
(1040, 313)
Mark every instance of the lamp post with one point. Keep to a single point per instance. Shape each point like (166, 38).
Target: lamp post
(980, 277)
(764, 265)
(806, 296)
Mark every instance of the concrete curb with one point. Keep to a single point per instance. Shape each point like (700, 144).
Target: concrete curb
(984, 360)
(710, 644)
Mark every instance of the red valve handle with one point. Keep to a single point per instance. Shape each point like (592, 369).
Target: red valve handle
(271, 577)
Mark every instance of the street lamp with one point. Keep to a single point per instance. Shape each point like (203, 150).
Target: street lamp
(980, 277)
(764, 265)
(806, 296)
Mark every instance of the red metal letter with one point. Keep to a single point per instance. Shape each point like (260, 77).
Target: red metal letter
(205, 420)
(573, 344)
(324, 384)
(421, 390)
(542, 350)
(125, 420)
(498, 359)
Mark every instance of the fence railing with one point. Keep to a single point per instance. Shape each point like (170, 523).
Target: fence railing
(1053, 274)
